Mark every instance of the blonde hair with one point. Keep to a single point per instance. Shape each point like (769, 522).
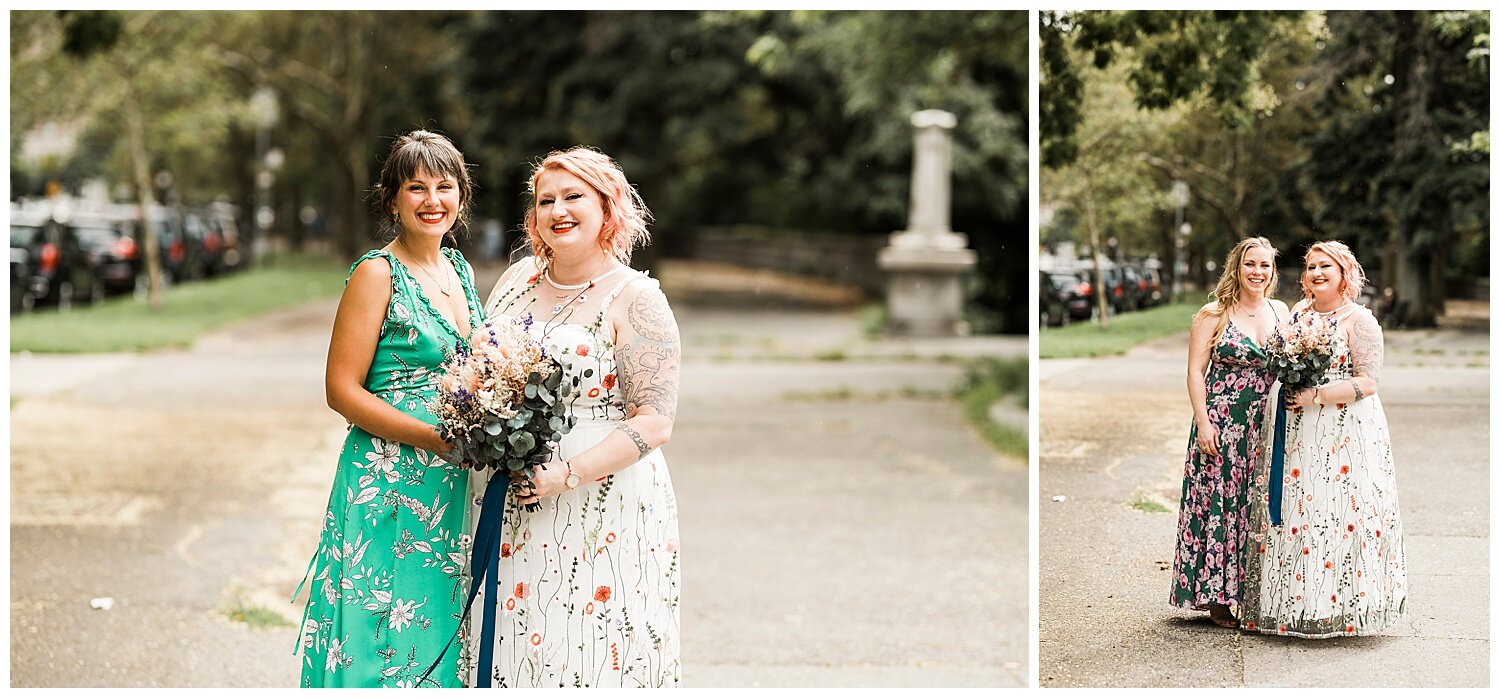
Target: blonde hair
(1353, 275)
(1227, 293)
(625, 214)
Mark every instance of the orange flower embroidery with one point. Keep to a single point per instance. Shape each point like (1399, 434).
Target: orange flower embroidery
(1296, 472)
(505, 550)
(601, 594)
(589, 609)
(593, 392)
(610, 537)
(520, 590)
(581, 350)
(536, 639)
(608, 381)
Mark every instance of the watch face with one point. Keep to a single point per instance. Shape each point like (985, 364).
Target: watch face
(572, 480)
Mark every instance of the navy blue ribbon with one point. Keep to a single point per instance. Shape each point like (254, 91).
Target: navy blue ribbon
(484, 561)
(1278, 455)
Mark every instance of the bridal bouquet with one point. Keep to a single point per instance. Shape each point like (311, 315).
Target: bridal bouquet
(1300, 350)
(502, 400)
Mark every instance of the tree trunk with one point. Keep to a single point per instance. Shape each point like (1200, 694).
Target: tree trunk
(1411, 63)
(136, 127)
(1101, 294)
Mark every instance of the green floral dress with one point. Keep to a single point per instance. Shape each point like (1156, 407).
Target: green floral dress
(390, 574)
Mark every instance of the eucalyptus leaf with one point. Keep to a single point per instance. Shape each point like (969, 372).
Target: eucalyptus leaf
(493, 428)
(531, 391)
(523, 441)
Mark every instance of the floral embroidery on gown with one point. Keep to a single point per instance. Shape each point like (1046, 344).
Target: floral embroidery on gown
(1212, 525)
(1336, 566)
(389, 573)
(589, 586)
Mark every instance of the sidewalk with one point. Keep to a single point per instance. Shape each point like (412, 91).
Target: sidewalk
(837, 530)
(1113, 435)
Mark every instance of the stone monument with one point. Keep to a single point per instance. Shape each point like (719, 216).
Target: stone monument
(927, 262)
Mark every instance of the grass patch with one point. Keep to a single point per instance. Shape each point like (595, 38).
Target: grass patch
(188, 310)
(873, 318)
(1125, 331)
(254, 616)
(1141, 502)
(847, 394)
(986, 382)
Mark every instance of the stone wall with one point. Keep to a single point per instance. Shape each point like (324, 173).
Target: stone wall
(841, 257)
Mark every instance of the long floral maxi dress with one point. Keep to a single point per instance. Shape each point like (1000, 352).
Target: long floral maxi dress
(390, 570)
(589, 585)
(1336, 565)
(1212, 525)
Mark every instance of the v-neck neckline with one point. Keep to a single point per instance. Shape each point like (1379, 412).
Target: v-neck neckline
(1254, 344)
(421, 293)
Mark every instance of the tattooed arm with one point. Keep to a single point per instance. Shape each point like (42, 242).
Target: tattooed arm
(1367, 353)
(649, 354)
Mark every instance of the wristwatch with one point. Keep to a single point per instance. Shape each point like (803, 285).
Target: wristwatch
(1317, 397)
(572, 479)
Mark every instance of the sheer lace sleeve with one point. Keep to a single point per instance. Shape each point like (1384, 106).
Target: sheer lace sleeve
(1366, 345)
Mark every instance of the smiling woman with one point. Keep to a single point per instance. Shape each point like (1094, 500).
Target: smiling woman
(1228, 383)
(603, 544)
(386, 586)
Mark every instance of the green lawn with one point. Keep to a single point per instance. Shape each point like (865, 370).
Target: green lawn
(987, 381)
(188, 310)
(1125, 331)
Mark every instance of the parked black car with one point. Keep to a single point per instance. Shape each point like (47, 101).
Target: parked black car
(1052, 310)
(47, 261)
(181, 247)
(22, 296)
(113, 253)
(230, 249)
(1074, 291)
(1154, 295)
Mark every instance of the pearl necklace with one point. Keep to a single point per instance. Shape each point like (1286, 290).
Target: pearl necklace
(547, 274)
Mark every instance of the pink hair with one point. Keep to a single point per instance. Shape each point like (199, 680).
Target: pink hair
(625, 214)
(1353, 274)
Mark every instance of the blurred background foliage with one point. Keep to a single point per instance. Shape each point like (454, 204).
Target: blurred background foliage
(1369, 127)
(797, 121)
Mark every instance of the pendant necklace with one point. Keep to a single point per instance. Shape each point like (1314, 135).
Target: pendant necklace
(429, 274)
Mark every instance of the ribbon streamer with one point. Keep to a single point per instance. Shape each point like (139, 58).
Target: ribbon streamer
(1278, 455)
(484, 556)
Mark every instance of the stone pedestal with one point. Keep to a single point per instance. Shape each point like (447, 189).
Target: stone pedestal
(927, 262)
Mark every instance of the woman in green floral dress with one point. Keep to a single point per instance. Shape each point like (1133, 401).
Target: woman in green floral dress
(388, 578)
(1229, 386)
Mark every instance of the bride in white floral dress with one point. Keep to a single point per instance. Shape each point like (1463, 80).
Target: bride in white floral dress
(1335, 566)
(589, 584)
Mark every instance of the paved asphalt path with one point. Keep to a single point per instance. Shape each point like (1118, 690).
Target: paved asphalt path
(1113, 435)
(839, 529)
